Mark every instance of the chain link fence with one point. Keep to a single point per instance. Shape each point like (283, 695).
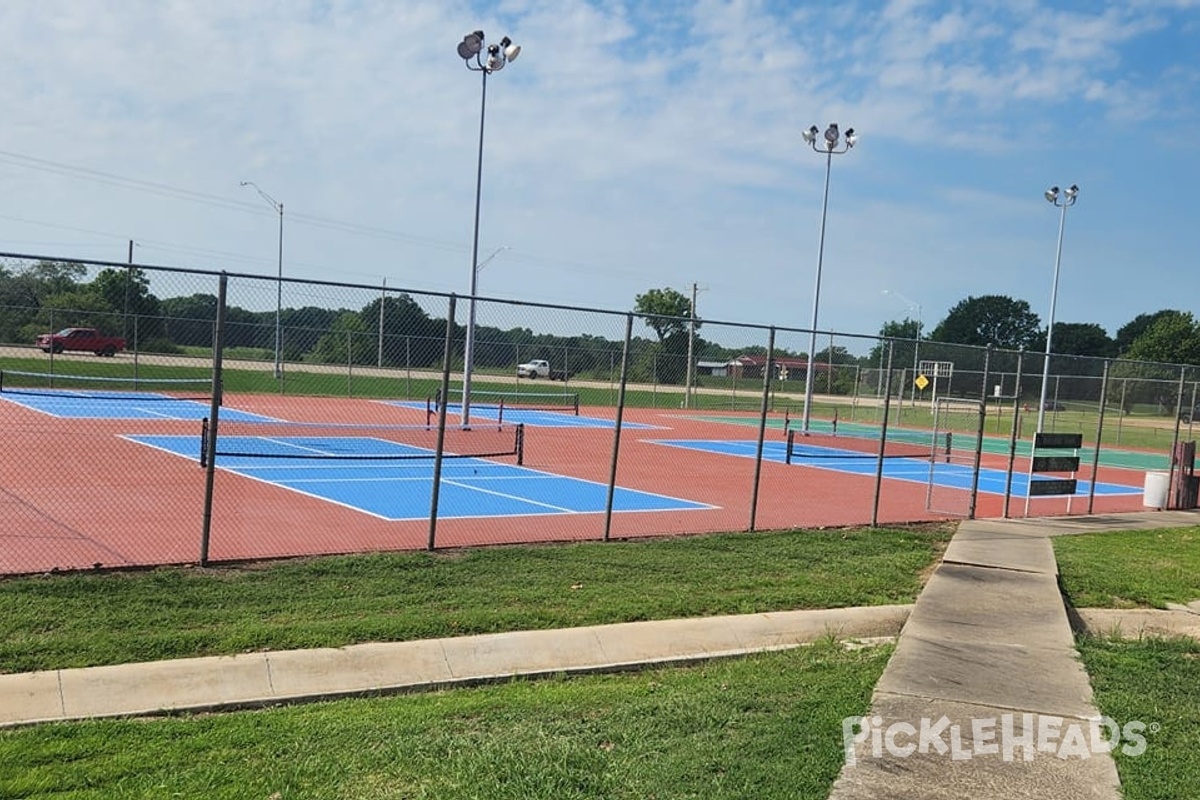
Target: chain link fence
(245, 418)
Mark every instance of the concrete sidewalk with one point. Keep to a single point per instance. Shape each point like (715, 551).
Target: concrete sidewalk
(256, 679)
(987, 669)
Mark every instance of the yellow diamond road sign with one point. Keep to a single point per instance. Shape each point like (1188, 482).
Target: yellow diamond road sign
(921, 382)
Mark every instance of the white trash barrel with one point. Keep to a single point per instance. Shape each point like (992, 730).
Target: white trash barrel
(1155, 494)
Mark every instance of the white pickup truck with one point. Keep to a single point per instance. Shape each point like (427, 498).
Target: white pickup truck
(539, 368)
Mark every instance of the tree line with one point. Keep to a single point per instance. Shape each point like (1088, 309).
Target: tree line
(119, 301)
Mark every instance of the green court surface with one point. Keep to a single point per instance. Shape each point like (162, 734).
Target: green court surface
(997, 445)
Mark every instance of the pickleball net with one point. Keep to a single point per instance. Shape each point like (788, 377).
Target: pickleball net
(924, 445)
(566, 402)
(102, 387)
(248, 441)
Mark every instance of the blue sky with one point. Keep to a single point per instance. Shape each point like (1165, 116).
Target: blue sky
(631, 146)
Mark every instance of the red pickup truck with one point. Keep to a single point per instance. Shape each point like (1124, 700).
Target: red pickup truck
(87, 339)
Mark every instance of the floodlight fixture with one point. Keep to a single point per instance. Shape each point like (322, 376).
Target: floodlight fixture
(471, 50)
(1063, 201)
(471, 44)
(831, 135)
(833, 138)
(510, 50)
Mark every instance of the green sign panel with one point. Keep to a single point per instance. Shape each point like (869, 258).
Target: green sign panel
(1048, 487)
(1064, 441)
(1056, 463)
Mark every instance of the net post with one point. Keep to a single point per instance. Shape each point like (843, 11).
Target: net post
(428, 413)
(791, 446)
(500, 415)
(204, 442)
(520, 444)
(835, 421)
(787, 422)
(949, 440)
(576, 404)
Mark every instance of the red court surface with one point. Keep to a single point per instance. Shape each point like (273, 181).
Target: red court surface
(76, 495)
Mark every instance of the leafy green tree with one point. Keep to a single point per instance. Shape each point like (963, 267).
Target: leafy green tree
(1173, 338)
(128, 292)
(1130, 331)
(75, 308)
(189, 320)
(411, 338)
(347, 341)
(668, 312)
(1080, 339)
(907, 332)
(19, 302)
(56, 277)
(665, 310)
(994, 320)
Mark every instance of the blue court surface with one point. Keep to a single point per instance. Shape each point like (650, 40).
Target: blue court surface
(533, 417)
(92, 404)
(916, 470)
(384, 484)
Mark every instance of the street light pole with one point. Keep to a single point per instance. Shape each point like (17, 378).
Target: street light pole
(832, 139)
(471, 49)
(1062, 200)
(279, 279)
(911, 304)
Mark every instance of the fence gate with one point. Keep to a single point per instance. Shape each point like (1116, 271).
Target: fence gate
(954, 456)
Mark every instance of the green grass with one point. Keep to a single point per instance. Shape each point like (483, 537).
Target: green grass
(765, 726)
(1130, 569)
(91, 619)
(1156, 682)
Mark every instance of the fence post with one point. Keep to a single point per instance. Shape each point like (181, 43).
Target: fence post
(1014, 434)
(1174, 503)
(1099, 436)
(987, 365)
(762, 426)
(616, 448)
(441, 429)
(214, 405)
(883, 426)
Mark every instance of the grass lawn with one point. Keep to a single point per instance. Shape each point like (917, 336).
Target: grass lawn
(765, 726)
(1130, 569)
(1156, 682)
(87, 619)
(1150, 680)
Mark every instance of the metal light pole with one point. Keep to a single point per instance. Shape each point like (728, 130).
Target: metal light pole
(279, 280)
(471, 49)
(1063, 201)
(831, 140)
(911, 304)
